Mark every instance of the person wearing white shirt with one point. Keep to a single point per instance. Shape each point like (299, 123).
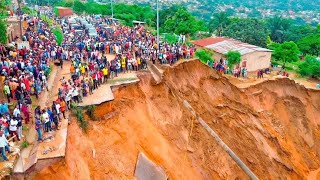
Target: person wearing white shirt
(16, 111)
(57, 108)
(68, 99)
(46, 120)
(4, 145)
(13, 128)
(75, 94)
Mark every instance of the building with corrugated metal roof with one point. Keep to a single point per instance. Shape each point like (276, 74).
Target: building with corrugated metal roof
(252, 57)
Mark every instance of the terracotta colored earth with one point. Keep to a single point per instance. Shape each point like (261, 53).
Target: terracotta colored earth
(274, 127)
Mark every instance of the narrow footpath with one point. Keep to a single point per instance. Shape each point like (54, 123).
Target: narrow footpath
(30, 155)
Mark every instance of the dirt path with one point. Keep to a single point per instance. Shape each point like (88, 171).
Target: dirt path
(42, 102)
(28, 155)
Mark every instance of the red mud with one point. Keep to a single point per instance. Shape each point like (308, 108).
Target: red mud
(274, 127)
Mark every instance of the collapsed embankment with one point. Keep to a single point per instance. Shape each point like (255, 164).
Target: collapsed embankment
(273, 127)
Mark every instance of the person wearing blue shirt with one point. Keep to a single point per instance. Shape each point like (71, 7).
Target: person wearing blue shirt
(4, 108)
(50, 117)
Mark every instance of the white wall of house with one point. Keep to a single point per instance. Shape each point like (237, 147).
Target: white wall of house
(256, 60)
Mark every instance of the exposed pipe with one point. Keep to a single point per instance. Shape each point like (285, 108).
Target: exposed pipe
(240, 163)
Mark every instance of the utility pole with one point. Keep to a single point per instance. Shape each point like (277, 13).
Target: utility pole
(19, 13)
(112, 9)
(158, 40)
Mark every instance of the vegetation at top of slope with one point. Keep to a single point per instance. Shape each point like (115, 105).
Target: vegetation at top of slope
(205, 56)
(310, 67)
(182, 22)
(3, 23)
(234, 58)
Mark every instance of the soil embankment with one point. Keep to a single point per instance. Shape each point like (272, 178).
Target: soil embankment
(273, 127)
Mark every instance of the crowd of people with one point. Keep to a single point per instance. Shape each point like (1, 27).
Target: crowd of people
(24, 73)
(222, 67)
(131, 47)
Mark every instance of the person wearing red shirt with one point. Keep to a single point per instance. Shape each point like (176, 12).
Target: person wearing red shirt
(100, 77)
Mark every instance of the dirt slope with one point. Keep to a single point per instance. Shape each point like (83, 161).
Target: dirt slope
(273, 127)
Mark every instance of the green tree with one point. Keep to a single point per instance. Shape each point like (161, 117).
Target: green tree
(59, 35)
(268, 41)
(166, 13)
(285, 52)
(310, 67)
(219, 22)
(296, 33)
(79, 7)
(205, 56)
(182, 22)
(252, 31)
(278, 26)
(170, 38)
(3, 31)
(273, 46)
(3, 23)
(234, 58)
(310, 45)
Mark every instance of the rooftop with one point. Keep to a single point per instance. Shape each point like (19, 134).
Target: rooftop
(224, 45)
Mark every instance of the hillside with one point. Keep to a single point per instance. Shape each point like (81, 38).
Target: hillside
(272, 126)
(299, 10)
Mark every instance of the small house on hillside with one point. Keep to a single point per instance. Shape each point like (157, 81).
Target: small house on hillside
(252, 57)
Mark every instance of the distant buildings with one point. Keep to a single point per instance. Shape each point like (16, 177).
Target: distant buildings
(208, 8)
(252, 57)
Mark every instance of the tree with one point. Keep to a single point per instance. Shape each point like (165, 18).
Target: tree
(278, 27)
(310, 67)
(79, 7)
(268, 41)
(296, 33)
(310, 45)
(3, 31)
(3, 23)
(252, 31)
(170, 38)
(286, 52)
(219, 22)
(273, 46)
(182, 22)
(205, 56)
(59, 35)
(234, 58)
(166, 13)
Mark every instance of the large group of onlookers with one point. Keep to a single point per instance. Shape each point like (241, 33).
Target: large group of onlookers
(25, 70)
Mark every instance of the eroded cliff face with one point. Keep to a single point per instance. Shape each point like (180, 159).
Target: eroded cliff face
(274, 127)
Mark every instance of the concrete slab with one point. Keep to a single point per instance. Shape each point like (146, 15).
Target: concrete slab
(7, 166)
(104, 92)
(54, 144)
(27, 159)
(148, 170)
